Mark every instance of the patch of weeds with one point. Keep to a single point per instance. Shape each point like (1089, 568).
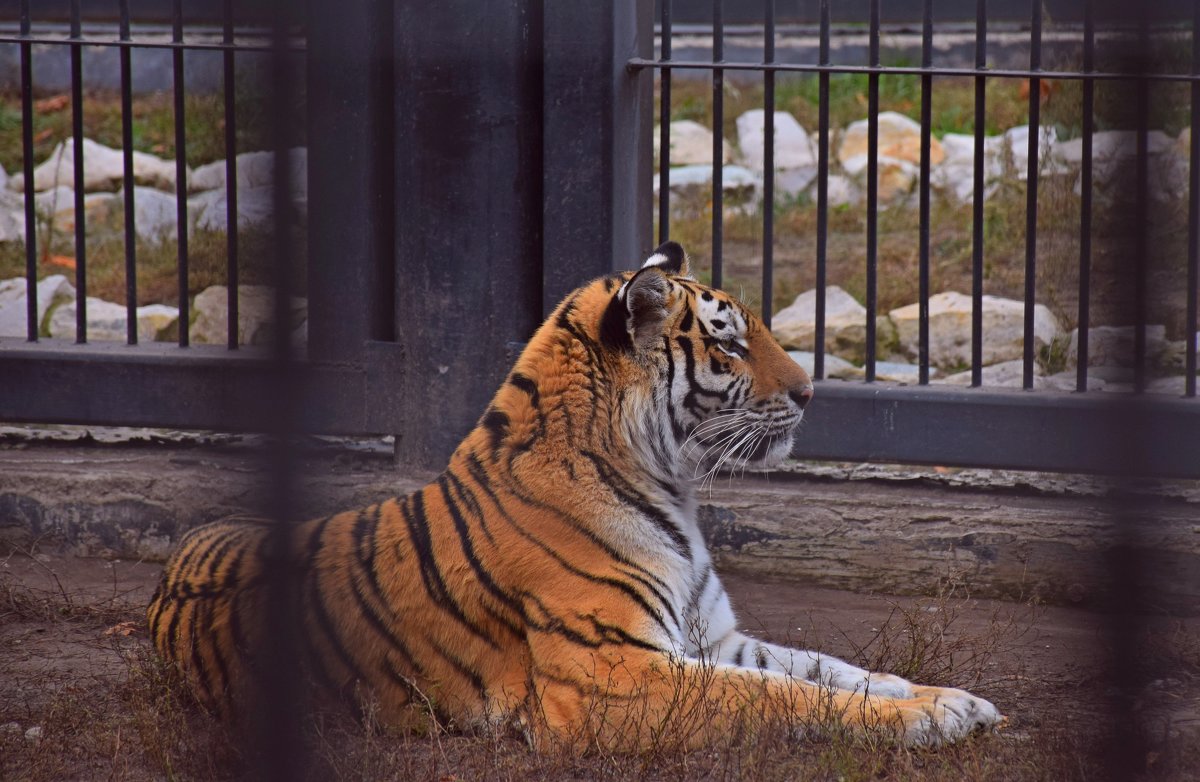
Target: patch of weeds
(921, 642)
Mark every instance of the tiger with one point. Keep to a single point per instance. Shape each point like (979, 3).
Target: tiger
(554, 575)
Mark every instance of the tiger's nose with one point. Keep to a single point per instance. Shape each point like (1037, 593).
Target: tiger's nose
(802, 397)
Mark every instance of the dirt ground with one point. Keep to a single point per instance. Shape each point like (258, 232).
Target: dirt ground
(82, 697)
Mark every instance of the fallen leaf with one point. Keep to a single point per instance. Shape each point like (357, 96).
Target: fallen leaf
(122, 629)
(42, 135)
(61, 260)
(51, 104)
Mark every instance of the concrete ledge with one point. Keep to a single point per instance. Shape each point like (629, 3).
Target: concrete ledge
(865, 529)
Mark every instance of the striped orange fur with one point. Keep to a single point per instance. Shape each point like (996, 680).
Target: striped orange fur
(554, 574)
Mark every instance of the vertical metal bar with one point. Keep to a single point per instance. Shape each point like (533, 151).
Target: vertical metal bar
(664, 130)
(31, 299)
(180, 173)
(131, 334)
(1193, 273)
(822, 193)
(718, 112)
(80, 215)
(280, 713)
(1031, 188)
(926, 143)
(768, 252)
(231, 190)
(872, 190)
(977, 195)
(1085, 204)
(1142, 200)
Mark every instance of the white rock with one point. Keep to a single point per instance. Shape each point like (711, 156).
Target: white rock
(793, 147)
(1067, 381)
(52, 292)
(790, 182)
(957, 182)
(900, 372)
(11, 729)
(34, 734)
(12, 217)
(106, 321)
(835, 368)
(1018, 146)
(256, 307)
(1110, 144)
(950, 329)
(155, 214)
(50, 203)
(1006, 374)
(841, 191)
(103, 168)
(845, 323)
(741, 188)
(154, 319)
(1113, 346)
(895, 176)
(691, 144)
(958, 148)
(209, 176)
(899, 138)
(208, 211)
(255, 170)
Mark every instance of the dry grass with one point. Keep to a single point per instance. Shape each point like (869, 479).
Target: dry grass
(121, 714)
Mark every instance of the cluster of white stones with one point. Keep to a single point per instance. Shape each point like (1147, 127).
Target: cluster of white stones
(156, 219)
(1110, 349)
(952, 161)
(57, 301)
(155, 193)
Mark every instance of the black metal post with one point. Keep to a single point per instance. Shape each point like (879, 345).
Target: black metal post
(597, 155)
(469, 207)
(350, 162)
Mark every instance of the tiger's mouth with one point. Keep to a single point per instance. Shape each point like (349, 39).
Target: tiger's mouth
(754, 441)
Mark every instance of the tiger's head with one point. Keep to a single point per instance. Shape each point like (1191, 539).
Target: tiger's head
(706, 385)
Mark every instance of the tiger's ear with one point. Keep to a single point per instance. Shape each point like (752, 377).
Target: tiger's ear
(634, 317)
(671, 258)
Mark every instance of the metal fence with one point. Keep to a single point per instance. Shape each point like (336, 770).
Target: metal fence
(458, 190)
(924, 423)
(461, 184)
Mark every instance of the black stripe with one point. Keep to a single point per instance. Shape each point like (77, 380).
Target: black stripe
(739, 659)
(468, 550)
(632, 497)
(628, 589)
(528, 386)
(496, 423)
(685, 324)
(413, 512)
(326, 627)
(471, 502)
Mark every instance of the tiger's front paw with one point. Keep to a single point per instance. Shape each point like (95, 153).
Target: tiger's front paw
(943, 715)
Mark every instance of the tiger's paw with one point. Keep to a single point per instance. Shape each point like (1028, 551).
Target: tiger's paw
(883, 685)
(942, 715)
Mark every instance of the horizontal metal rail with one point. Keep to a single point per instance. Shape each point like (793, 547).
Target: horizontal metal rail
(118, 43)
(999, 429)
(199, 387)
(904, 70)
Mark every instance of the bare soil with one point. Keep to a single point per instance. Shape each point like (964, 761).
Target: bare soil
(76, 668)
